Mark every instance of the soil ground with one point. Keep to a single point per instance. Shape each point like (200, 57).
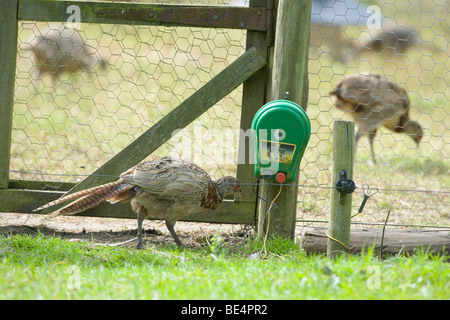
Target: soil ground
(104, 231)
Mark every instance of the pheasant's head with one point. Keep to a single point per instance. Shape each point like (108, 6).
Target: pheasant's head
(230, 185)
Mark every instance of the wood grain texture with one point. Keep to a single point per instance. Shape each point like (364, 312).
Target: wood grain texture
(289, 74)
(8, 45)
(341, 205)
(395, 240)
(253, 98)
(146, 14)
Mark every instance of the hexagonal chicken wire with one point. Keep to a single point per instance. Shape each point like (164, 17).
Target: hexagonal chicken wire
(65, 129)
(409, 47)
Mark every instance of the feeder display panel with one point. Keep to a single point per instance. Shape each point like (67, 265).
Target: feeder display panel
(281, 131)
(277, 152)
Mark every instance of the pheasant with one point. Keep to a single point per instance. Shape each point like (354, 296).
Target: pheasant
(167, 189)
(62, 50)
(375, 101)
(388, 39)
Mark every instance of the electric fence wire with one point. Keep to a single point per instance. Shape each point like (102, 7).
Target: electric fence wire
(254, 184)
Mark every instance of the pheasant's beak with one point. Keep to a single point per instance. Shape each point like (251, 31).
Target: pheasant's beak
(238, 195)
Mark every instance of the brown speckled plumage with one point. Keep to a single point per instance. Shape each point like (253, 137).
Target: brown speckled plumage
(167, 189)
(375, 101)
(62, 50)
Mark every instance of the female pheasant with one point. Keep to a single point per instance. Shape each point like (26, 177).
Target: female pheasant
(167, 189)
(375, 101)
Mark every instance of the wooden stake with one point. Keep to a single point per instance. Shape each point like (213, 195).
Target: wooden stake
(8, 45)
(289, 74)
(341, 204)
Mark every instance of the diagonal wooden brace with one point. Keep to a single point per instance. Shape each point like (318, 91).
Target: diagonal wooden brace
(189, 110)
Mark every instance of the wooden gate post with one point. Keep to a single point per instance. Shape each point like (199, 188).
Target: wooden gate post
(289, 74)
(8, 45)
(341, 204)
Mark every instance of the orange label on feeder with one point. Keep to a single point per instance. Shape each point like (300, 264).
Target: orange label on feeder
(274, 151)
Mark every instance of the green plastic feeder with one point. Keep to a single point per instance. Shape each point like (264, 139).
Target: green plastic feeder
(281, 131)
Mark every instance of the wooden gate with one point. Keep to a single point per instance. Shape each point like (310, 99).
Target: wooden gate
(251, 69)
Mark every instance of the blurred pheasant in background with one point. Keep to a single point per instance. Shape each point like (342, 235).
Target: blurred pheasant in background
(167, 189)
(62, 50)
(375, 101)
(389, 40)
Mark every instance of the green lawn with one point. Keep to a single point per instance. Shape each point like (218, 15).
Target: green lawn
(50, 268)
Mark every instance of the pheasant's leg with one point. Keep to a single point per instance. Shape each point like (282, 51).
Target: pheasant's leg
(357, 137)
(371, 138)
(364, 128)
(169, 226)
(140, 220)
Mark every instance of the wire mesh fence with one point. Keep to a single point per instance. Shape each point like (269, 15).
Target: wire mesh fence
(406, 42)
(83, 94)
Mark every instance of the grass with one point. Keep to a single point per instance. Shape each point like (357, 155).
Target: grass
(51, 268)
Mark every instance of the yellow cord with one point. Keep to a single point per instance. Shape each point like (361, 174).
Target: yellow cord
(268, 221)
(334, 239)
(354, 215)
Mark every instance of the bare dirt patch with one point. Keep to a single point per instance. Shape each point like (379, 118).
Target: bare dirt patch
(113, 231)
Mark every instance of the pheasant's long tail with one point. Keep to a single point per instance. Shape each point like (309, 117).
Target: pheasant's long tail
(90, 198)
(78, 194)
